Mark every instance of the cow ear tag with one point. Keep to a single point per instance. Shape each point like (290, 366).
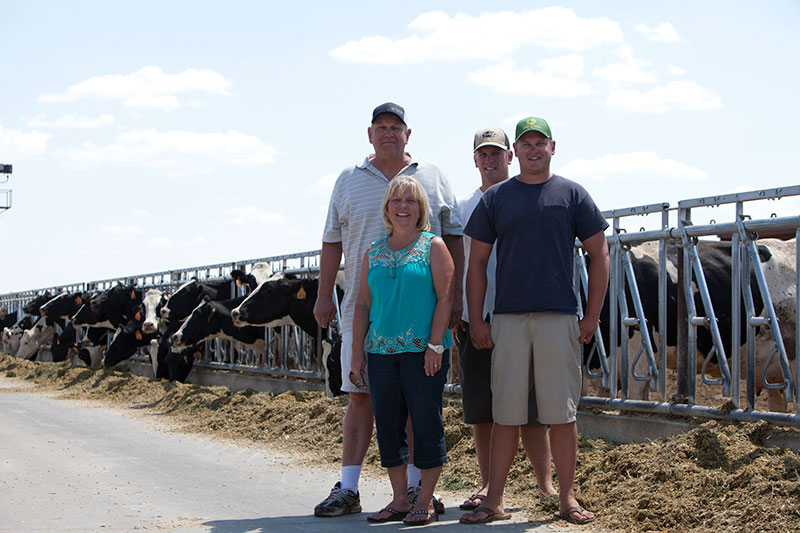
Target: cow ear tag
(239, 283)
(301, 294)
(138, 335)
(138, 315)
(133, 294)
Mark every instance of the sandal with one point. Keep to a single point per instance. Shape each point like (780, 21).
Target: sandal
(395, 516)
(491, 516)
(473, 502)
(433, 516)
(567, 515)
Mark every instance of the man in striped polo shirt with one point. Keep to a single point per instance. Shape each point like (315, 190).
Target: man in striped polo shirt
(353, 223)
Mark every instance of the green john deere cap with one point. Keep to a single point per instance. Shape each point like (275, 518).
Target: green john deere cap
(533, 124)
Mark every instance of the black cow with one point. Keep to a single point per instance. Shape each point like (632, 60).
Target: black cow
(117, 304)
(126, 341)
(32, 307)
(7, 319)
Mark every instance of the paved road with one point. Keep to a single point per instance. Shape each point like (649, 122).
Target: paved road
(69, 466)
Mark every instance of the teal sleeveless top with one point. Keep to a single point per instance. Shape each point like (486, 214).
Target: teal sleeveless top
(403, 298)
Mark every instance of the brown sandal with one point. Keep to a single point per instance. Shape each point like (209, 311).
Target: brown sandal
(473, 502)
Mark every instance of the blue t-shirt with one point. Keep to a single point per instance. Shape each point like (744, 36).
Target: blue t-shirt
(403, 298)
(535, 226)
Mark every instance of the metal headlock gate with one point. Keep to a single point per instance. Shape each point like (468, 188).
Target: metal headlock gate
(614, 366)
(289, 353)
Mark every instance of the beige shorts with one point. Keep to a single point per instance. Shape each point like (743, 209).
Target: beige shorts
(540, 349)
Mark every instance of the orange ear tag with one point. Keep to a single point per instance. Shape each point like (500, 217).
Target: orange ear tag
(301, 294)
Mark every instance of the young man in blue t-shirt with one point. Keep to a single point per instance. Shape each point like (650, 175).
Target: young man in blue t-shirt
(535, 333)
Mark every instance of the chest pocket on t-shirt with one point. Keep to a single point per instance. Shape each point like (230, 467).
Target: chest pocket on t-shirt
(555, 217)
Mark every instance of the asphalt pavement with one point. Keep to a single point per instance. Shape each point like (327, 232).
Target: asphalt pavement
(73, 466)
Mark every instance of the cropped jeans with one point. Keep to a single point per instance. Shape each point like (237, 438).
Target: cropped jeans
(399, 388)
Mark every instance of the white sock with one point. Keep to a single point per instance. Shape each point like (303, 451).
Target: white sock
(414, 476)
(350, 475)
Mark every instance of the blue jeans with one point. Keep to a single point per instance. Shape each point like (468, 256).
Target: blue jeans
(399, 388)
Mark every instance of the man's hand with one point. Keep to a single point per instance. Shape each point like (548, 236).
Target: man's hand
(588, 327)
(480, 334)
(324, 311)
(455, 314)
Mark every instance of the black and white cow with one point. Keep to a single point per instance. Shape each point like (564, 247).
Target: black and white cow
(64, 305)
(290, 300)
(777, 259)
(212, 319)
(153, 301)
(12, 335)
(258, 274)
(191, 293)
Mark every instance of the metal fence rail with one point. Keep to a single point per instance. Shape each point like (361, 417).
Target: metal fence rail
(290, 352)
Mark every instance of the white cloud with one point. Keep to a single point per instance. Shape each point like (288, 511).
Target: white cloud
(177, 152)
(147, 88)
(160, 242)
(121, 232)
(16, 145)
(557, 77)
(676, 71)
(142, 213)
(632, 166)
(674, 96)
(236, 216)
(490, 36)
(664, 32)
(324, 185)
(629, 70)
(72, 121)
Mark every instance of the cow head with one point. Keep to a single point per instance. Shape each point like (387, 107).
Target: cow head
(200, 325)
(154, 301)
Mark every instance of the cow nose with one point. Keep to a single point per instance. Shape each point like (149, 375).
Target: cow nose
(236, 314)
(148, 327)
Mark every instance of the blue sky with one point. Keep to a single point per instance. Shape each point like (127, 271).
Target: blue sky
(155, 135)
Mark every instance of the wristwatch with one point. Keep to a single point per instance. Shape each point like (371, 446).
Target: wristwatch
(438, 348)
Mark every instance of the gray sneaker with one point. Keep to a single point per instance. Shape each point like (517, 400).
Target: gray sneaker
(339, 502)
(413, 496)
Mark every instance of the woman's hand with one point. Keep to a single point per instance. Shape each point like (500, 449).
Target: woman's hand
(433, 362)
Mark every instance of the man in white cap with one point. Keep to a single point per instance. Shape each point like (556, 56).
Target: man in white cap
(354, 221)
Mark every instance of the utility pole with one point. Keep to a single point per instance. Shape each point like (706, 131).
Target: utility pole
(5, 194)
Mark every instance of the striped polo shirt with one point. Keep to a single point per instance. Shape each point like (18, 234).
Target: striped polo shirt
(354, 216)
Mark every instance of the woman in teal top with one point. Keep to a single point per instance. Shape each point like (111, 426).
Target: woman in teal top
(400, 329)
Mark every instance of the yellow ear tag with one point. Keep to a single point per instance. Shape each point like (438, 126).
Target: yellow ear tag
(133, 294)
(138, 315)
(301, 294)
(138, 335)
